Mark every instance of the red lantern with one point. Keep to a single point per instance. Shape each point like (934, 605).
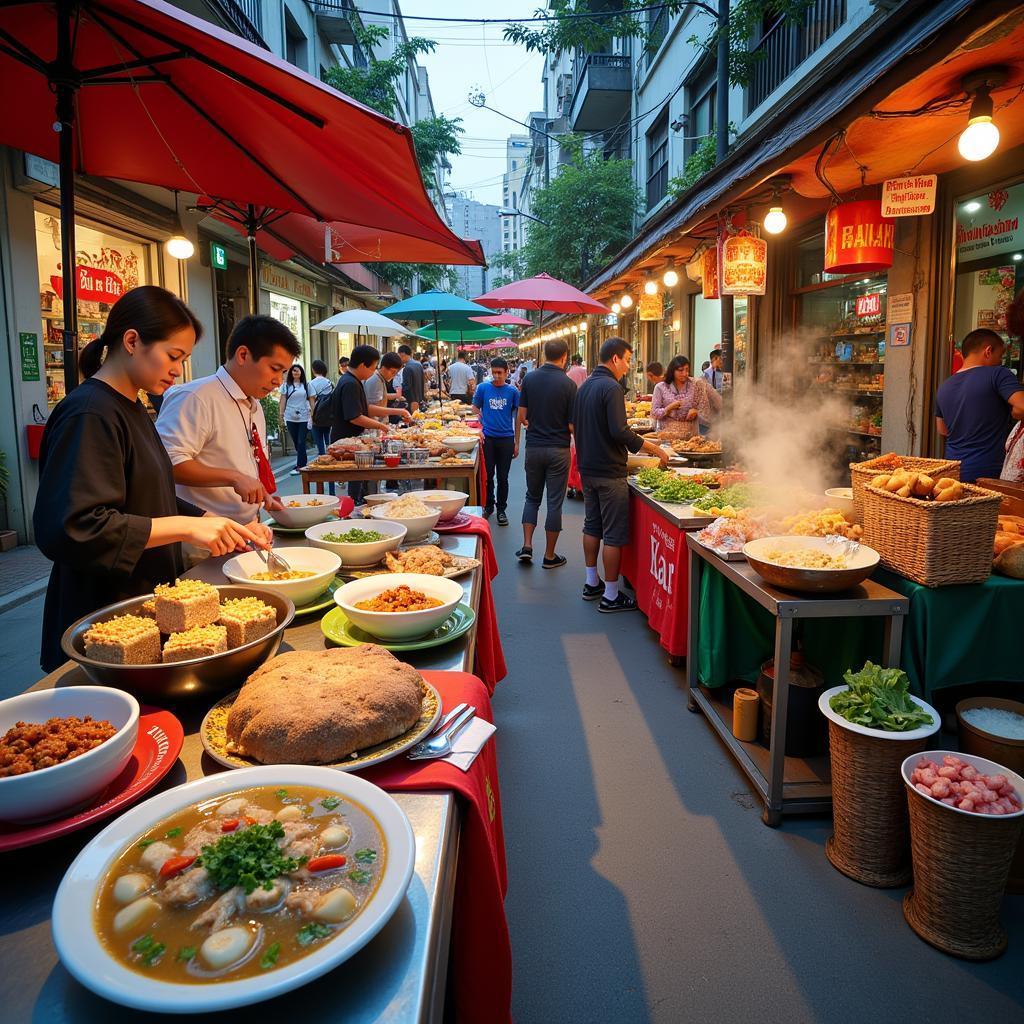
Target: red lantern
(858, 239)
(709, 273)
(744, 265)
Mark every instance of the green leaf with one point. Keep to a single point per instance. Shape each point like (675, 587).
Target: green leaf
(173, 834)
(149, 949)
(186, 953)
(359, 876)
(269, 958)
(878, 698)
(309, 933)
(281, 794)
(145, 843)
(330, 802)
(366, 856)
(249, 858)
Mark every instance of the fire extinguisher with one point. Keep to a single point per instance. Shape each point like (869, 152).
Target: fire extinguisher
(34, 432)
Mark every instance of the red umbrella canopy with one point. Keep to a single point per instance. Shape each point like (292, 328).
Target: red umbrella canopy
(541, 292)
(499, 319)
(166, 99)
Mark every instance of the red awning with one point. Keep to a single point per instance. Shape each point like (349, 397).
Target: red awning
(169, 100)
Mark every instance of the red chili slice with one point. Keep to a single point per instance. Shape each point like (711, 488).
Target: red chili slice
(331, 862)
(250, 821)
(230, 825)
(175, 865)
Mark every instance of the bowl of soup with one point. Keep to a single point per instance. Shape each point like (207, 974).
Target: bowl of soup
(301, 510)
(309, 574)
(233, 889)
(449, 502)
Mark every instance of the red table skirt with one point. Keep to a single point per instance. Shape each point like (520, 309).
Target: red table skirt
(574, 470)
(656, 562)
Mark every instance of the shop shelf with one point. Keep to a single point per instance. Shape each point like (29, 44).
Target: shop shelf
(846, 362)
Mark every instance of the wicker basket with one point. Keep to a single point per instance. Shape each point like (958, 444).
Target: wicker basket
(862, 473)
(934, 543)
(870, 841)
(961, 864)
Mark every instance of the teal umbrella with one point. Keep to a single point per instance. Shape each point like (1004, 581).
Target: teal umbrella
(459, 334)
(437, 306)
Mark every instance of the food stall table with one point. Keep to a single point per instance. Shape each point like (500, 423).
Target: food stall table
(655, 563)
(314, 480)
(787, 784)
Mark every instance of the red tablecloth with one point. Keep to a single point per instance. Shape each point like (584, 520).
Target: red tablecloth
(481, 475)
(656, 563)
(574, 470)
(490, 658)
(481, 954)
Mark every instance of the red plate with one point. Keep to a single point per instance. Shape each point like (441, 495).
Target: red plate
(458, 522)
(156, 750)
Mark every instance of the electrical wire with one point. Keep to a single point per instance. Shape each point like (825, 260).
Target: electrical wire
(562, 16)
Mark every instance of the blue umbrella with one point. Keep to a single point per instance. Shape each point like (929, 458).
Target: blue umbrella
(435, 305)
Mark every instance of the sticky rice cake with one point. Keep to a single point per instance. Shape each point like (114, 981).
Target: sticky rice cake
(317, 707)
(246, 619)
(124, 640)
(197, 642)
(186, 604)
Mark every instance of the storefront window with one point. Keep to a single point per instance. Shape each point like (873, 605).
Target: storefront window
(108, 266)
(707, 331)
(989, 264)
(289, 312)
(842, 328)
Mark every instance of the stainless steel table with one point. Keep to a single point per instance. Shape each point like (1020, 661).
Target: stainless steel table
(787, 785)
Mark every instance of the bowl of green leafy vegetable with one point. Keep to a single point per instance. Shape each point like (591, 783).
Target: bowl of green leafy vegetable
(877, 701)
(357, 543)
(679, 492)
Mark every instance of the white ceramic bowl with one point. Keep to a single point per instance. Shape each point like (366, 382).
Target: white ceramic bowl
(840, 498)
(399, 625)
(460, 442)
(922, 732)
(449, 502)
(418, 526)
(67, 786)
(88, 961)
(983, 764)
(380, 498)
(323, 564)
(306, 513)
(361, 554)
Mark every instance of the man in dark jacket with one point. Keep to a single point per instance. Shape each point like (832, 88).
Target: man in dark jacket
(603, 440)
(412, 379)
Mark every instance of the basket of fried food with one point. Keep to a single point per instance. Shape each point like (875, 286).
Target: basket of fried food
(862, 473)
(935, 531)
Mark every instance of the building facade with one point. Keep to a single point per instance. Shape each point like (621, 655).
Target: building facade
(472, 219)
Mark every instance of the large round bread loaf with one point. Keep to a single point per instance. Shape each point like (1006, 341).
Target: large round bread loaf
(317, 707)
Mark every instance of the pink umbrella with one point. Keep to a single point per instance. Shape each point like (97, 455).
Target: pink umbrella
(543, 293)
(500, 319)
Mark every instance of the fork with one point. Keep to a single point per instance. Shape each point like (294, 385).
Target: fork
(440, 745)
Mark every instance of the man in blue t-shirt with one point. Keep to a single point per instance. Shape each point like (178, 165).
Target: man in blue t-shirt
(498, 402)
(974, 407)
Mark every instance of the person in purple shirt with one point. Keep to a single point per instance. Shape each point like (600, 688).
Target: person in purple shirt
(974, 407)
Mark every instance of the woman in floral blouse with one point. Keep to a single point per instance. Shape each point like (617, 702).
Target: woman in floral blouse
(681, 402)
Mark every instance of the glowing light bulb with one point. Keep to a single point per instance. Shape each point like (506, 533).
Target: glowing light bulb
(675, 325)
(775, 220)
(179, 247)
(670, 279)
(972, 207)
(626, 301)
(616, 308)
(583, 326)
(979, 139)
(650, 287)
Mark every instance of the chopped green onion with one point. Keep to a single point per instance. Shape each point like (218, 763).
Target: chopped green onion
(329, 803)
(366, 856)
(309, 933)
(174, 833)
(186, 953)
(359, 876)
(269, 959)
(145, 843)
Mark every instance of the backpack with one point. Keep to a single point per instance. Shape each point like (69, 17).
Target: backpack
(323, 413)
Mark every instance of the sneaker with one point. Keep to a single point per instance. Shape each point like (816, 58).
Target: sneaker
(502, 519)
(554, 563)
(525, 554)
(620, 604)
(488, 512)
(294, 472)
(592, 593)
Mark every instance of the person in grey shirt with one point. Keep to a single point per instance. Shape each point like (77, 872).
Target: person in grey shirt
(462, 380)
(376, 385)
(412, 379)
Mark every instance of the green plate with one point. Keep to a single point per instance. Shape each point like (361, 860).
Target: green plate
(286, 530)
(325, 600)
(339, 630)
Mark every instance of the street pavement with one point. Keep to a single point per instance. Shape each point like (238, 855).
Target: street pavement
(643, 886)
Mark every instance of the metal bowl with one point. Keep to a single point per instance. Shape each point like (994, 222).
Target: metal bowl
(212, 676)
(862, 563)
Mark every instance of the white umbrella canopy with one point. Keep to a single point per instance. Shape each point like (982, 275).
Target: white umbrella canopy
(353, 321)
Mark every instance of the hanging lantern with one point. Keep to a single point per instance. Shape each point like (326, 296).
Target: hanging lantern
(744, 264)
(694, 268)
(858, 239)
(709, 272)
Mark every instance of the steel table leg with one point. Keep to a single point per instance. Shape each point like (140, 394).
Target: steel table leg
(692, 628)
(780, 709)
(893, 641)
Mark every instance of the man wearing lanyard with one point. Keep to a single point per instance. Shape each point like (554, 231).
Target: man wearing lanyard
(214, 429)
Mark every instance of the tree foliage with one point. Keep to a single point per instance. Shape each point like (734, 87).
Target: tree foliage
(702, 161)
(587, 213)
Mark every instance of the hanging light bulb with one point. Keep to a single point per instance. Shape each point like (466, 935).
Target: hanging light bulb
(650, 286)
(178, 246)
(616, 308)
(981, 136)
(670, 278)
(582, 328)
(775, 220)
(626, 301)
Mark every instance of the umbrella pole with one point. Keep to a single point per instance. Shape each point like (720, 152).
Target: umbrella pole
(437, 353)
(254, 260)
(66, 127)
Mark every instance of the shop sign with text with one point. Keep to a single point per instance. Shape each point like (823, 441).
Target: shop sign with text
(651, 306)
(913, 196)
(29, 355)
(277, 280)
(94, 285)
(990, 225)
(869, 305)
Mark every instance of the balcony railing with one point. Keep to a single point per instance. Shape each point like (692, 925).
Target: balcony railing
(602, 85)
(335, 19)
(786, 45)
(245, 18)
(657, 29)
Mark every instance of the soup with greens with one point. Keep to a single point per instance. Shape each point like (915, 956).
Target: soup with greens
(241, 884)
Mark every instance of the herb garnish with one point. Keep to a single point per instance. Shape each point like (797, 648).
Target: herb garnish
(281, 794)
(249, 858)
(174, 833)
(269, 959)
(329, 803)
(359, 876)
(145, 843)
(149, 949)
(309, 933)
(186, 953)
(366, 856)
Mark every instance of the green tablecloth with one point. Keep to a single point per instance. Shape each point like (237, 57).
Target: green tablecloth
(952, 636)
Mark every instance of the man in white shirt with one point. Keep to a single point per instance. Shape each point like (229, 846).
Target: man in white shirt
(463, 380)
(214, 429)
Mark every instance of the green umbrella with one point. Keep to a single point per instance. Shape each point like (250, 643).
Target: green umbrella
(437, 306)
(458, 335)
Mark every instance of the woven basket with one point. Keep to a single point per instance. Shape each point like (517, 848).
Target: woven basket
(862, 473)
(961, 864)
(934, 543)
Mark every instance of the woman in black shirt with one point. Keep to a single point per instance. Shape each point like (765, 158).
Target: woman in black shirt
(106, 512)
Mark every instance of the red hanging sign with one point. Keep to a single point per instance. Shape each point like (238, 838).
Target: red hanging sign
(858, 239)
(869, 305)
(709, 273)
(93, 285)
(744, 268)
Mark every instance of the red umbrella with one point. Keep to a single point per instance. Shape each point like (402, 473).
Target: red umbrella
(544, 293)
(499, 319)
(143, 92)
